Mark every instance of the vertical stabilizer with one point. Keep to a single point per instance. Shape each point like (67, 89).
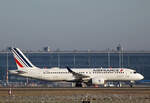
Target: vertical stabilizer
(21, 60)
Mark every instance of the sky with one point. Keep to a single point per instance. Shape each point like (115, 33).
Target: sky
(75, 24)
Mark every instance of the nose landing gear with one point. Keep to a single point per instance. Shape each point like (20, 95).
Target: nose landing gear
(131, 83)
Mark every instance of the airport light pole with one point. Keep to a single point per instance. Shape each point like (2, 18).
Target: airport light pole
(89, 64)
(119, 59)
(7, 68)
(27, 79)
(74, 60)
(89, 61)
(58, 60)
(122, 57)
(108, 58)
(119, 49)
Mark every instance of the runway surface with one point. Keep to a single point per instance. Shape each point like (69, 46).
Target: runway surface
(72, 91)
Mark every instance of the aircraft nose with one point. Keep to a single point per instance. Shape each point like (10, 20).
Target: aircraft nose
(141, 76)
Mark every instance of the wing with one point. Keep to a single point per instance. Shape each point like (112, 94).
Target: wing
(78, 76)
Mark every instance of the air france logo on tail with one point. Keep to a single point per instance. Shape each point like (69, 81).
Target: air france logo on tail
(18, 63)
(21, 59)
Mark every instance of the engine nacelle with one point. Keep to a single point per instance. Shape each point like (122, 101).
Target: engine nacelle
(98, 81)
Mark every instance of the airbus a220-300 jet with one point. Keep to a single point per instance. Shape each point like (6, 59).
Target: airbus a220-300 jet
(80, 76)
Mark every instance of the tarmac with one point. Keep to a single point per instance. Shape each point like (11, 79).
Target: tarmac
(75, 95)
(73, 91)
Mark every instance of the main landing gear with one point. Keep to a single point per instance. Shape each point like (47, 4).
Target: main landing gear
(80, 84)
(119, 84)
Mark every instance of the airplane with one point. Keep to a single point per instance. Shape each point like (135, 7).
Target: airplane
(82, 77)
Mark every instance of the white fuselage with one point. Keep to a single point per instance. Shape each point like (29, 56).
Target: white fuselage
(56, 74)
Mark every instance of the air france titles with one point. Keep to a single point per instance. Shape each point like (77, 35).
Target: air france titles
(105, 70)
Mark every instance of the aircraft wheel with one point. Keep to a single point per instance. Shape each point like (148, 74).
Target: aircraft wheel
(131, 85)
(78, 84)
(81, 85)
(119, 84)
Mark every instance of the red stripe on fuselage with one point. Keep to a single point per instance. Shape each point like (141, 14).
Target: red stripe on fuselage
(20, 65)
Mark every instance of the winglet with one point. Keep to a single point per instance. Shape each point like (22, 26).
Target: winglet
(69, 69)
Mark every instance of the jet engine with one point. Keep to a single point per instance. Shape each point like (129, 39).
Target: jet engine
(100, 81)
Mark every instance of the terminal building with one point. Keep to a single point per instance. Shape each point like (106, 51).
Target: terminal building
(137, 60)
